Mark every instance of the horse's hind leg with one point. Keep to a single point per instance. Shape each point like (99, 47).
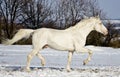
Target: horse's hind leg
(41, 58)
(29, 58)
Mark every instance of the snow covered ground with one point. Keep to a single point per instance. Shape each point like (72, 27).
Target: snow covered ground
(105, 62)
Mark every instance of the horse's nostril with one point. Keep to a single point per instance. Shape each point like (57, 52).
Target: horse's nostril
(106, 32)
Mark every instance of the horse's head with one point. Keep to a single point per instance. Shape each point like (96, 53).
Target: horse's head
(99, 27)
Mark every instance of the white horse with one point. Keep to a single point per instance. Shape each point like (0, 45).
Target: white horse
(72, 39)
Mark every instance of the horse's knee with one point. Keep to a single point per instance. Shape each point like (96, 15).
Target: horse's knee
(37, 54)
(29, 56)
(90, 52)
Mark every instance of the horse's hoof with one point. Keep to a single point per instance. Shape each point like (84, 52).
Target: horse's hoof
(84, 62)
(69, 70)
(43, 63)
(28, 70)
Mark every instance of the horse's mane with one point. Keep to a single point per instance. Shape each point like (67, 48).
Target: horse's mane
(80, 23)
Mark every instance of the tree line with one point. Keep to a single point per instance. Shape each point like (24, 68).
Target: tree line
(34, 14)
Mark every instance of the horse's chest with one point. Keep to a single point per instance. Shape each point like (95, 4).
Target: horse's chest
(79, 41)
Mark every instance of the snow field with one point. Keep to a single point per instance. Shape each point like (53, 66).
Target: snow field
(105, 63)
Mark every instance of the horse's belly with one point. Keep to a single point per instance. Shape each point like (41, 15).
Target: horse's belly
(61, 45)
(62, 48)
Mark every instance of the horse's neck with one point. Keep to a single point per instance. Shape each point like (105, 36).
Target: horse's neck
(84, 31)
(83, 28)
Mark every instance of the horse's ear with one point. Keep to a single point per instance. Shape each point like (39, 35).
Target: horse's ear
(97, 15)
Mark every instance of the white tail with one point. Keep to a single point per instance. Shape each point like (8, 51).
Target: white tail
(22, 33)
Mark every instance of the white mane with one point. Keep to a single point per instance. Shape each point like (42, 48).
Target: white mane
(81, 23)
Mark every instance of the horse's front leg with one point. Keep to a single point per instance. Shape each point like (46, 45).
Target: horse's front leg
(89, 57)
(70, 54)
(85, 50)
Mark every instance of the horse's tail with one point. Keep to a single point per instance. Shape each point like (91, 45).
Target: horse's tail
(22, 33)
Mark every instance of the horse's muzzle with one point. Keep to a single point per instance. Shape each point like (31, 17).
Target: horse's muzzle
(106, 32)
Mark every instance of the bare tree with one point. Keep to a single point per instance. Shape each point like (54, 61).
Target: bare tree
(69, 12)
(35, 12)
(10, 12)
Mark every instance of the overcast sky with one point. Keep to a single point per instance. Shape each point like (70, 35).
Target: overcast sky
(111, 8)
